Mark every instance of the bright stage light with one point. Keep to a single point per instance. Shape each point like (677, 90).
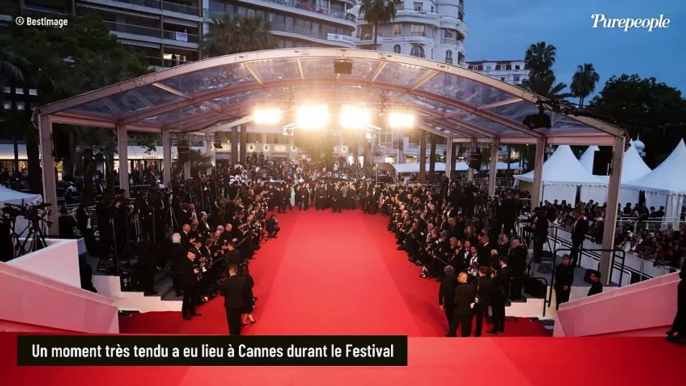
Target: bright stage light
(355, 117)
(313, 117)
(400, 120)
(267, 116)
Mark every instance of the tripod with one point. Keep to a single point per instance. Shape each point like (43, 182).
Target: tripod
(35, 236)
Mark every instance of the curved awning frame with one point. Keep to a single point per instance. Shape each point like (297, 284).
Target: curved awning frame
(450, 101)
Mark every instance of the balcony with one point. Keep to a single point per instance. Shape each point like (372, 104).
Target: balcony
(157, 4)
(160, 63)
(448, 41)
(152, 32)
(307, 32)
(303, 6)
(418, 34)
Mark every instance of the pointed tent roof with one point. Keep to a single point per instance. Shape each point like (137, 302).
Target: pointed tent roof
(633, 166)
(667, 176)
(562, 168)
(9, 196)
(587, 158)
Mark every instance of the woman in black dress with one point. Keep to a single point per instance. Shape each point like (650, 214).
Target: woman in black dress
(249, 297)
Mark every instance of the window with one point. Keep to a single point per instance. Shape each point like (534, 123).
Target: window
(397, 29)
(448, 34)
(516, 78)
(396, 48)
(20, 106)
(449, 57)
(460, 16)
(432, 8)
(418, 6)
(7, 105)
(489, 68)
(400, 5)
(417, 30)
(19, 91)
(7, 90)
(517, 67)
(417, 51)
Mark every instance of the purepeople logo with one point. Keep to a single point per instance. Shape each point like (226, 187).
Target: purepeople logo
(600, 21)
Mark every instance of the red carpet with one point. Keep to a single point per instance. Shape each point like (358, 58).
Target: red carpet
(328, 273)
(340, 274)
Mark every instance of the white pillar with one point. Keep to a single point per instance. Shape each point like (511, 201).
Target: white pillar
(209, 150)
(48, 170)
(421, 158)
(493, 167)
(538, 173)
(166, 157)
(449, 157)
(611, 210)
(123, 150)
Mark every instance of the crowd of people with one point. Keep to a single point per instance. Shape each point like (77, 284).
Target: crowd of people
(454, 232)
(207, 230)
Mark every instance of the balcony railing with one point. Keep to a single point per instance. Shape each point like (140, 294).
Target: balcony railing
(305, 6)
(417, 33)
(449, 41)
(166, 63)
(180, 8)
(152, 32)
(300, 30)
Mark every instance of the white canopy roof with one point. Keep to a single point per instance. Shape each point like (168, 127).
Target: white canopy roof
(440, 167)
(563, 168)
(587, 158)
(633, 166)
(9, 196)
(666, 178)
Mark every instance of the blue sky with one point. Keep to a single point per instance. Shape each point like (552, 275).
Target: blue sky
(504, 29)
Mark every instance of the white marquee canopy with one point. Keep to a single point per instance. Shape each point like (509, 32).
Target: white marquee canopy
(562, 175)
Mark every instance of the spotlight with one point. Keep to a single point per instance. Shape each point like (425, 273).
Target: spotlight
(313, 117)
(400, 120)
(537, 121)
(354, 117)
(267, 116)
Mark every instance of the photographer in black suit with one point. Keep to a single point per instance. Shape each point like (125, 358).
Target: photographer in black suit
(579, 231)
(446, 293)
(539, 226)
(189, 283)
(233, 289)
(465, 296)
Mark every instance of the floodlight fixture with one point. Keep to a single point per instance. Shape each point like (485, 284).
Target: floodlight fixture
(267, 116)
(354, 117)
(313, 117)
(401, 120)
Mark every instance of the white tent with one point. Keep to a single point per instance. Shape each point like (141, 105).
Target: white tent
(587, 158)
(440, 167)
(633, 168)
(9, 196)
(665, 186)
(562, 174)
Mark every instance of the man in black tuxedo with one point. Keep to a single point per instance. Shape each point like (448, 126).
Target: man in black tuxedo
(185, 237)
(596, 285)
(579, 231)
(517, 259)
(501, 284)
(465, 295)
(564, 277)
(233, 290)
(188, 276)
(484, 291)
(446, 293)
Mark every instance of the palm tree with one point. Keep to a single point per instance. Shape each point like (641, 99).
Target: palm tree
(230, 35)
(583, 82)
(540, 58)
(11, 63)
(378, 12)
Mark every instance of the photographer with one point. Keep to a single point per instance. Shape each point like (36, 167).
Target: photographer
(67, 224)
(272, 226)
